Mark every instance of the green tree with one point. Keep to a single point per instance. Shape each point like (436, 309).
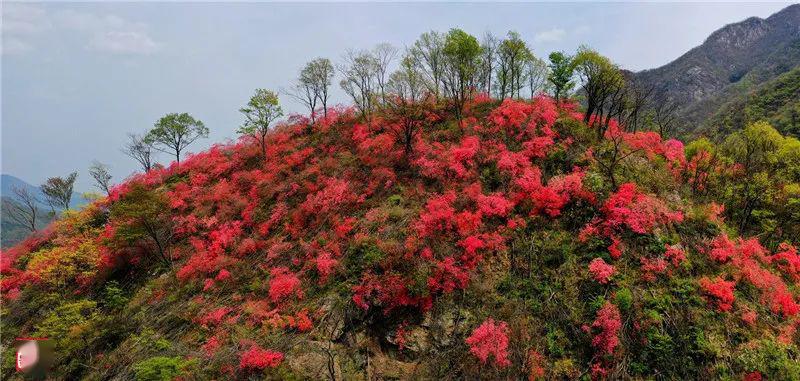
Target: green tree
(600, 80)
(561, 71)
(262, 109)
(58, 191)
(512, 56)
(462, 54)
(767, 169)
(174, 132)
(142, 216)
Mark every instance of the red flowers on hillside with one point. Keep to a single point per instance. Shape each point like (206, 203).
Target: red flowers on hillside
(719, 291)
(259, 358)
(282, 284)
(606, 325)
(600, 270)
(490, 339)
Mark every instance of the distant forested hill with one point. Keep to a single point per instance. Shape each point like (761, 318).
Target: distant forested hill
(776, 101)
(12, 232)
(734, 63)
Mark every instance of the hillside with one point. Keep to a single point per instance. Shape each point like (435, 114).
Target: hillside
(732, 62)
(508, 243)
(776, 101)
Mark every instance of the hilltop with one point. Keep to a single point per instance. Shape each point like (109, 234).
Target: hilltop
(507, 240)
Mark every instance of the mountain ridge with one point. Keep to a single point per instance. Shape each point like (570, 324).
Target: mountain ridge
(739, 55)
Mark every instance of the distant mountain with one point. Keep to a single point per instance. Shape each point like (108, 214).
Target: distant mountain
(8, 182)
(10, 231)
(735, 60)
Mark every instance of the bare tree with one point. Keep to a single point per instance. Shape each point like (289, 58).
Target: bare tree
(429, 55)
(407, 82)
(358, 70)
(101, 176)
(537, 72)
(58, 191)
(140, 150)
(321, 74)
(383, 54)
(313, 85)
(664, 114)
(22, 209)
(488, 60)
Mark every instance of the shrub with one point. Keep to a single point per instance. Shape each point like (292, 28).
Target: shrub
(160, 368)
(490, 338)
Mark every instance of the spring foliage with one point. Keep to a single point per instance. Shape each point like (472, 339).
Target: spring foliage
(513, 215)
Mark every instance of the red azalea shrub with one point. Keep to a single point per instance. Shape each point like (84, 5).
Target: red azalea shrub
(257, 358)
(787, 261)
(637, 211)
(601, 271)
(675, 254)
(536, 364)
(282, 284)
(606, 325)
(490, 339)
(719, 291)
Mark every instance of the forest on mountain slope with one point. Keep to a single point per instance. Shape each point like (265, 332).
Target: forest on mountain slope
(470, 216)
(706, 86)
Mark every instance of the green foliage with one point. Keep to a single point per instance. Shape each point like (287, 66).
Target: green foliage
(362, 256)
(756, 197)
(775, 361)
(142, 216)
(174, 132)
(624, 299)
(161, 368)
(776, 101)
(262, 109)
(113, 296)
(561, 71)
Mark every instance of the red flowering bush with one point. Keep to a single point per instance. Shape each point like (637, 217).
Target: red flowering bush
(259, 358)
(606, 325)
(719, 291)
(282, 284)
(600, 270)
(490, 339)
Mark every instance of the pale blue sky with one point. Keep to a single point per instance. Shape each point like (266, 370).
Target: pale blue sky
(77, 77)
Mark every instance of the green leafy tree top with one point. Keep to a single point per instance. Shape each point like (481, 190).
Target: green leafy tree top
(262, 109)
(561, 71)
(174, 132)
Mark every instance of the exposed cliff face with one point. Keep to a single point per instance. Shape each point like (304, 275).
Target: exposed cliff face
(736, 58)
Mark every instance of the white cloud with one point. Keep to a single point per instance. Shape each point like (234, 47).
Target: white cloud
(13, 45)
(24, 19)
(552, 35)
(108, 33)
(124, 43)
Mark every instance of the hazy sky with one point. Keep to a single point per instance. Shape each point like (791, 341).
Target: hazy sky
(76, 78)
